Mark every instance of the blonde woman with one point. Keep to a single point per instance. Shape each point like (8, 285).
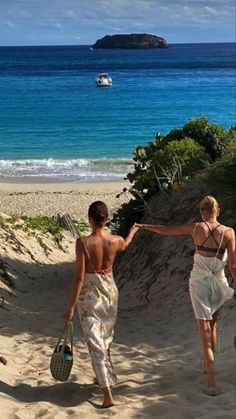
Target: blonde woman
(208, 285)
(95, 291)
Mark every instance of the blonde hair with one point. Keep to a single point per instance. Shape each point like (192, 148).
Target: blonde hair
(209, 204)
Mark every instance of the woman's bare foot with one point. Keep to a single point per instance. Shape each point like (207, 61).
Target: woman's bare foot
(108, 399)
(211, 391)
(107, 404)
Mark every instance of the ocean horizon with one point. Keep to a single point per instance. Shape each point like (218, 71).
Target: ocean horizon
(90, 45)
(56, 124)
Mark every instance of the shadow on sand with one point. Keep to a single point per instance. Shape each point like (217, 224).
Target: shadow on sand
(63, 394)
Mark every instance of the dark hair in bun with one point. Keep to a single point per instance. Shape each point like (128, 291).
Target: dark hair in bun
(98, 211)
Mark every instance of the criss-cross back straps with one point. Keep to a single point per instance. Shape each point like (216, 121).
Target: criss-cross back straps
(216, 256)
(211, 234)
(219, 246)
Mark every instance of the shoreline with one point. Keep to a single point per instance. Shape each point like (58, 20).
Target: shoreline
(45, 180)
(34, 199)
(46, 184)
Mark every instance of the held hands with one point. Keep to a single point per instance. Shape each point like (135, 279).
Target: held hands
(138, 226)
(134, 228)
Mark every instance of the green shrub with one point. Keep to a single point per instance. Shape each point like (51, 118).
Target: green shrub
(174, 135)
(223, 172)
(126, 215)
(169, 162)
(177, 161)
(232, 135)
(186, 153)
(82, 226)
(211, 136)
(42, 223)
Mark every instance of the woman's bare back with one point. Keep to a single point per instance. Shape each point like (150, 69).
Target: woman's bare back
(102, 249)
(211, 236)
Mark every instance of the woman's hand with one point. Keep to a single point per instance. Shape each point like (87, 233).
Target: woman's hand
(125, 243)
(134, 228)
(68, 316)
(138, 226)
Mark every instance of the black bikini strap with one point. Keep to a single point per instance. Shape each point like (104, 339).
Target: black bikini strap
(211, 234)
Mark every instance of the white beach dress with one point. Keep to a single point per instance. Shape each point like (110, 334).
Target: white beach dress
(97, 307)
(208, 285)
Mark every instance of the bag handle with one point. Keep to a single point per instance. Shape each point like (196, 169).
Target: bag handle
(68, 335)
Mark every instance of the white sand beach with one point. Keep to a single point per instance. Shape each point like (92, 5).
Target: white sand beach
(156, 349)
(46, 198)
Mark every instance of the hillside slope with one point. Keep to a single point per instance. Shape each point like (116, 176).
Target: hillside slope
(155, 269)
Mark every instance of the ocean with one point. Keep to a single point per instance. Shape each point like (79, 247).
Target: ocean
(55, 123)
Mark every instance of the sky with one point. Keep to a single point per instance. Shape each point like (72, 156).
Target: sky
(82, 22)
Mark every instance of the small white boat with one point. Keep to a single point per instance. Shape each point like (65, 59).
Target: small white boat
(103, 80)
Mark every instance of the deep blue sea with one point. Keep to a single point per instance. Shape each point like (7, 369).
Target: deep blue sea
(55, 122)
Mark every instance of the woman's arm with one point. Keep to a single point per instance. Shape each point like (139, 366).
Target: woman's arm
(77, 282)
(124, 243)
(185, 229)
(231, 248)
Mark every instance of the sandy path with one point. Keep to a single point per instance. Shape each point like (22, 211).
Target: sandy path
(156, 350)
(157, 362)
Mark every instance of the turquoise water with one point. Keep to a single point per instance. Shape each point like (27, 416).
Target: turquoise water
(55, 122)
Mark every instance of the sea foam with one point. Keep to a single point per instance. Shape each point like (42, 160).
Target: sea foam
(71, 169)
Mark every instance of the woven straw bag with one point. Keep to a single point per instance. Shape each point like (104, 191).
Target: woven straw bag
(62, 357)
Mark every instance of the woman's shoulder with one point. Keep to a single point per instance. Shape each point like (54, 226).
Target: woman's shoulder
(206, 225)
(80, 242)
(83, 241)
(201, 225)
(89, 239)
(228, 230)
(108, 235)
(114, 239)
(117, 238)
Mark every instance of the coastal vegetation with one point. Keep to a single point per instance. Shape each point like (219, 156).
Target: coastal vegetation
(200, 149)
(41, 224)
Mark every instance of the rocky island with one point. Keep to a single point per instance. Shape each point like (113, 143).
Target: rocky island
(132, 41)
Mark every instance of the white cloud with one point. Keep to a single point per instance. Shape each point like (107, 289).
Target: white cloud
(71, 14)
(10, 24)
(164, 8)
(96, 18)
(211, 11)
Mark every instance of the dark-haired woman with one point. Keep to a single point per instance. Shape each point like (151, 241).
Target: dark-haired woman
(208, 285)
(95, 291)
